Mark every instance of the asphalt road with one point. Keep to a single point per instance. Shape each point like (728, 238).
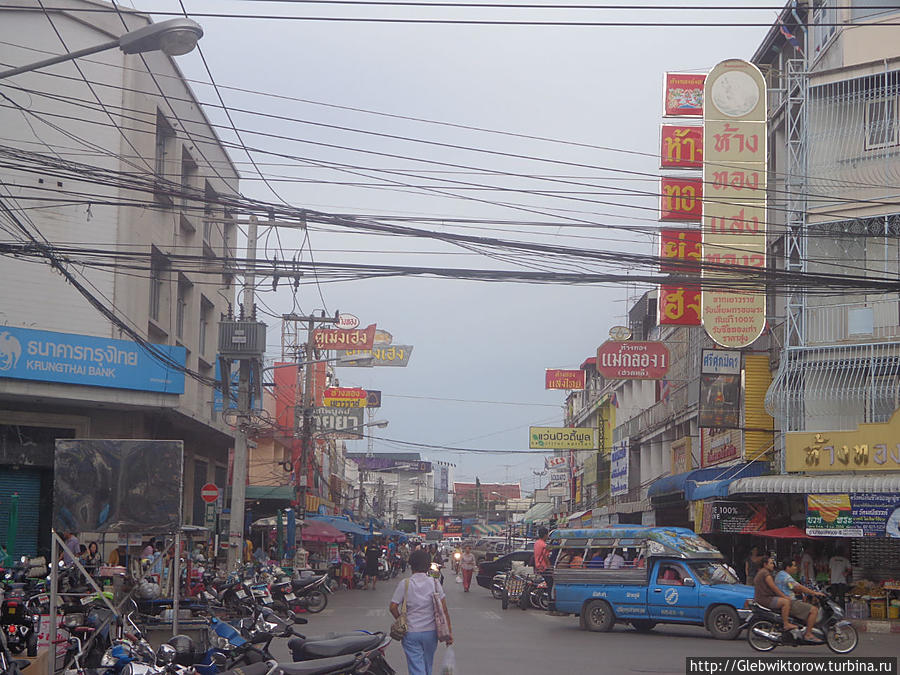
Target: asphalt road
(490, 641)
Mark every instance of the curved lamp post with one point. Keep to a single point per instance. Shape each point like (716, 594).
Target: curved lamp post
(173, 37)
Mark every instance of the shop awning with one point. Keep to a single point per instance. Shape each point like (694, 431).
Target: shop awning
(811, 484)
(321, 532)
(280, 492)
(340, 524)
(577, 515)
(539, 513)
(790, 532)
(685, 483)
(487, 529)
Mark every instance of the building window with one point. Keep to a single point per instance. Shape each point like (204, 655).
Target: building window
(157, 285)
(165, 140)
(199, 506)
(182, 307)
(189, 175)
(863, 10)
(206, 317)
(881, 123)
(824, 18)
(209, 214)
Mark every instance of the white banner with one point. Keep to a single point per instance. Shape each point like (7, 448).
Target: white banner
(618, 469)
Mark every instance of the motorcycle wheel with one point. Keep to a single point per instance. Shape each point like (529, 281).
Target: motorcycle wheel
(524, 600)
(316, 601)
(32, 647)
(758, 642)
(540, 600)
(504, 600)
(842, 641)
(497, 593)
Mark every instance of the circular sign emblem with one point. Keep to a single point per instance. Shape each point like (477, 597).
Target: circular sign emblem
(735, 93)
(209, 493)
(619, 333)
(671, 596)
(347, 321)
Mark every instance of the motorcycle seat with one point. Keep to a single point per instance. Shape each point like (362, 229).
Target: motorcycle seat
(334, 646)
(334, 664)
(305, 581)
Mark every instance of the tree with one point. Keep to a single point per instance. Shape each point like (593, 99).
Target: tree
(426, 510)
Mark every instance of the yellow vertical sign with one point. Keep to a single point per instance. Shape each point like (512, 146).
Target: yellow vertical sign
(734, 203)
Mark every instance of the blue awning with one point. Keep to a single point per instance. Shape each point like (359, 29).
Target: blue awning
(686, 484)
(342, 524)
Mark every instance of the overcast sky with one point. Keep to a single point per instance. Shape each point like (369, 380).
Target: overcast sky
(476, 376)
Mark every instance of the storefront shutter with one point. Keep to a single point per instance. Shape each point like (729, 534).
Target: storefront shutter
(757, 378)
(27, 483)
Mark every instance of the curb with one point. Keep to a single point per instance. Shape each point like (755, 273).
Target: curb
(865, 626)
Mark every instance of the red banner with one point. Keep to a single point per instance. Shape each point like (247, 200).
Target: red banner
(681, 147)
(683, 95)
(342, 340)
(285, 375)
(679, 305)
(681, 199)
(680, 245)
(633, 360)
(563, 379)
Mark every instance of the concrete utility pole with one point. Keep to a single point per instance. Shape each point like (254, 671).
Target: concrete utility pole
(239, 469)
(306, 429)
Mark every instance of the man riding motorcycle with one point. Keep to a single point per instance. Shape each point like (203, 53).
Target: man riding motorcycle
(770, 594)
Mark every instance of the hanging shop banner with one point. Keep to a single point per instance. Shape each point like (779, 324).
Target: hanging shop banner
(555, 461)
(734, 210)
(381, 355)
(618, 469)
(562, 438)
(720, 362)
(683, 95)
(830, 516)
(45, 356)
(727, 517)
(720, 401)
(871, 447)
(345, 397)
(563, 379)
(682, 460)
(341, 340)
(343, 423)
(680, 147)
(427, 524)
(679, 244)
(633, 360)
(720, 445)
(681, 199)
(679, 305)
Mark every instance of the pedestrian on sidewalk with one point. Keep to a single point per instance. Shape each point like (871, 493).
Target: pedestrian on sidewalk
(373, 553)
(467, 565)
(420, 642)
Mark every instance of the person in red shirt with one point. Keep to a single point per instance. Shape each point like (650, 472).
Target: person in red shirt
(541, 555)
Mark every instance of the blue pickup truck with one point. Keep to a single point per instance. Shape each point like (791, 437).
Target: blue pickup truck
(645, 576)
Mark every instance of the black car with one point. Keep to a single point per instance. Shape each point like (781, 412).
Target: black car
(487, 570)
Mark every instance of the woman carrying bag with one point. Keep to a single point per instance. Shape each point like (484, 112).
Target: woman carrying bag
(422, 599)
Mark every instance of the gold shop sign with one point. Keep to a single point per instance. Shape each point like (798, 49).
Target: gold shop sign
(871, 447)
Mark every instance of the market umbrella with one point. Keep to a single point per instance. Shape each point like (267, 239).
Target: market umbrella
(314, 530)
(791, 532)
(13, 525)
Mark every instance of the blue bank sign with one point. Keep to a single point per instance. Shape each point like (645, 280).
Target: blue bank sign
(27, 354)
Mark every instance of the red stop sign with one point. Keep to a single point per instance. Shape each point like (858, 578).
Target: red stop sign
(209, 493)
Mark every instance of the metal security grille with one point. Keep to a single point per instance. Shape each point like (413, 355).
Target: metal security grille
(27, 483)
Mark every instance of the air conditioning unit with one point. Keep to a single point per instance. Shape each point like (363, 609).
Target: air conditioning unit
(242, 339)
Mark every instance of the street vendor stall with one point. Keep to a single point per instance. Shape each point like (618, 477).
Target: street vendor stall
(321, 540)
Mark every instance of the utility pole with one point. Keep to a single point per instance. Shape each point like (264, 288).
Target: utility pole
(306, 426)
(239, 469)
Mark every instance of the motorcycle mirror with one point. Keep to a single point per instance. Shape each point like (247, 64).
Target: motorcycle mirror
(219, 660)
(165, 654)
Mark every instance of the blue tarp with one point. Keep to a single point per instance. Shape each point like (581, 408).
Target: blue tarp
(342, 524)
(687, 483)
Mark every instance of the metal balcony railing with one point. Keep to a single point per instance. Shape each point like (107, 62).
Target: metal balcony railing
(877, 321)
(681, 400)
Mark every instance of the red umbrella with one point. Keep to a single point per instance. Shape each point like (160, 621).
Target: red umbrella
(314, 530)
(791, 532)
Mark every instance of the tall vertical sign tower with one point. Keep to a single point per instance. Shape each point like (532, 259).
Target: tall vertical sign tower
(734, 203)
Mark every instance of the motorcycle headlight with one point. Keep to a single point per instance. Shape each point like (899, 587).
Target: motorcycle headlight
(457, 555)
(73, 620)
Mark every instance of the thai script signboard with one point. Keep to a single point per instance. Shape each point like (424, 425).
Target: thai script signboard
(45, 356)
(681, 199)
(734, 208)
(618, 469)
(343, 339)
(872, 447)
(381, 355)
(683, 95)
(345, 397)
(680, 147)
(720, 362)
(562, 438)
(633, 360)
(555, 378)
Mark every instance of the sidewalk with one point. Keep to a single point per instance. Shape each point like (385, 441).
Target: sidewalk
(876, 625)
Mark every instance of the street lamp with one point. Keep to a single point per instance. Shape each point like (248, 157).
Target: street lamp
(174, 37)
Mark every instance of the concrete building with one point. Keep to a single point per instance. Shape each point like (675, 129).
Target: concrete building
(111, 153)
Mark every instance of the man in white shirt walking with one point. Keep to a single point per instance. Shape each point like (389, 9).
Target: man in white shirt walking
(838, 567)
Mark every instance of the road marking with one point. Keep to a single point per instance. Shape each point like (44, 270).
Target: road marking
(376, 612)
(493, 616)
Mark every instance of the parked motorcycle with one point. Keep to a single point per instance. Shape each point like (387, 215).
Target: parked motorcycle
(18, 621)
(498, 585)
(9, 665)
(765, 629)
